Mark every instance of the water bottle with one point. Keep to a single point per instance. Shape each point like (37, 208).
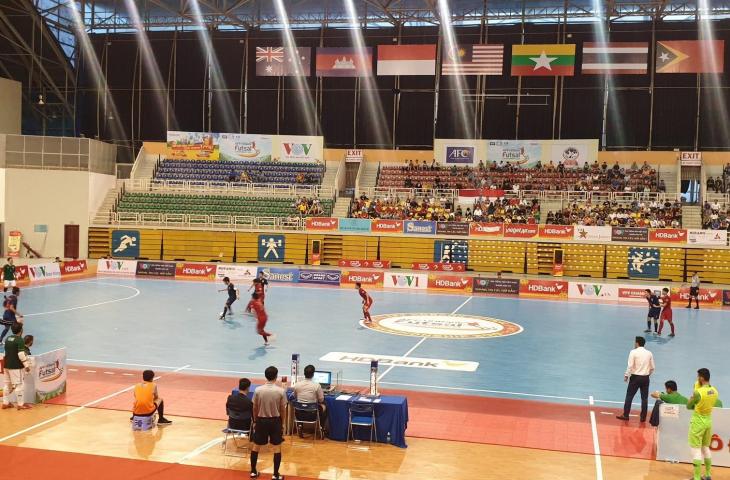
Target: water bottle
(387, 439)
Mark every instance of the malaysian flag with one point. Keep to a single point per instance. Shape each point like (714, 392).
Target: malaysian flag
(473, 60)
(283, 62)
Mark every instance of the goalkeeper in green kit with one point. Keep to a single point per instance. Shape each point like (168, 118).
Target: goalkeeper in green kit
(703, 400)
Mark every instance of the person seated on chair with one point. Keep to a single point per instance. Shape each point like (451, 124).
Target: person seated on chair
(309, 391)
(147, 401)
(239, 407)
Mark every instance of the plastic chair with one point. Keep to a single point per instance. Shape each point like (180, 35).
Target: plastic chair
(362, 415)
(235, 435)
(303, 412)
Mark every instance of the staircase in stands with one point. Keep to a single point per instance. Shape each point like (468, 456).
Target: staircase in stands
(691, 216)
(107, 206)
(368, 176)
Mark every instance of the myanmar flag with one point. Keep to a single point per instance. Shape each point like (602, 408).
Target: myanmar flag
(543, 60)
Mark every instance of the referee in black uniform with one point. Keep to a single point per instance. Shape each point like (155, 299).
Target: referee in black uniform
(269, 404)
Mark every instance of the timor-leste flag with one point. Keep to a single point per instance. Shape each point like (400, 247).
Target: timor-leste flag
(543, 60)
(690, 56)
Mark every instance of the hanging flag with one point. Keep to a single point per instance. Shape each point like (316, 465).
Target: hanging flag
(406, 59)
(283, 62)
(690, 56)
(344, 62)
(543, 60)
(473, 60)
(615, 58)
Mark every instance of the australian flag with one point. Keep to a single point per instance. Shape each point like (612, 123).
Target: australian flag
(643, 263)
(283, 62)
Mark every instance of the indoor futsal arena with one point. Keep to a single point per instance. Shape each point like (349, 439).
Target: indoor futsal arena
(365, 239)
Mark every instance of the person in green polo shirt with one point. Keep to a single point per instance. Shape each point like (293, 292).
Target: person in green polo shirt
(8, 275)
(17, 364)
(703, 400)
(670, 395)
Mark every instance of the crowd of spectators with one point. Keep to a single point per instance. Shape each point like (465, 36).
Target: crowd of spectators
(719, 184)
(611, 213)
(507, 176)
(715, 216)
(443, 209)
(309, 207)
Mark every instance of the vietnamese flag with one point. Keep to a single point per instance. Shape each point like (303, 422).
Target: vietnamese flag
(690, 56)
(546, 60)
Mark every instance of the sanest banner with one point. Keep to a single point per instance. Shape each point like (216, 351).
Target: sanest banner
(320, 277)
(419, 227)
(289, 275)
(497, 286)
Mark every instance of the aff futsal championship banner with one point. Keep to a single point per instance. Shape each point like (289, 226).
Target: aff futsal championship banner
(239, 147)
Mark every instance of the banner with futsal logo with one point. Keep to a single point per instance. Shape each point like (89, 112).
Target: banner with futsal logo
(271, 248)
(643, 263)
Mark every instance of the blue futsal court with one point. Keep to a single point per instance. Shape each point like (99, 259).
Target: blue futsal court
(567, 351)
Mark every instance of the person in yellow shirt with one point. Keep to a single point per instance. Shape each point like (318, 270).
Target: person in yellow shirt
(147, 401)
(703, 400)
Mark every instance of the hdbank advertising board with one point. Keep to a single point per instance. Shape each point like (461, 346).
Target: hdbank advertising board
(237, 146)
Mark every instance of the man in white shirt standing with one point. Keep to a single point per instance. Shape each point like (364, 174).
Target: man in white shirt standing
(641, 366)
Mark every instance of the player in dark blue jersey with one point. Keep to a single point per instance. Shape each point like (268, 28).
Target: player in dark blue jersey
(10, 313)
(233, 295)
(655, 308)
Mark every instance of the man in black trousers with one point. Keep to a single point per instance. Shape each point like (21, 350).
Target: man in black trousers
(641, 366)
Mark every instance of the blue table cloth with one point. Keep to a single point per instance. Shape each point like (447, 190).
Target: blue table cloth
(391, 416)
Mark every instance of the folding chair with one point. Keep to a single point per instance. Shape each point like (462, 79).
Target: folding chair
(362, 415)
(235, 435)
(307, 414)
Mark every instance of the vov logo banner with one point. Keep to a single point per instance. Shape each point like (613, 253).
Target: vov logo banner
(643, 263)
(125, 243)
(271, 248)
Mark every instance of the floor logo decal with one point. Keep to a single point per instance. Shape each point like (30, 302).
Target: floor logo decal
(442, 325)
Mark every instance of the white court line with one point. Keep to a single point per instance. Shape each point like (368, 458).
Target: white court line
(596, 445)
(200, 449)
(420, 342)
(78, 409)
(136, 293)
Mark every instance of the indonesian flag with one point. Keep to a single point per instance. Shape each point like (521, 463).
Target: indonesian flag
(407, 60)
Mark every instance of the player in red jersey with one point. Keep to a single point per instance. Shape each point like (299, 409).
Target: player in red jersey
(260, 284)
(666, 312)
(367, 302)
(261, 318)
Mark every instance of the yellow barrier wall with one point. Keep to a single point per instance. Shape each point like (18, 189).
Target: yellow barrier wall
(403, 252)
(100, 242)
(198, 246)
(497, 256)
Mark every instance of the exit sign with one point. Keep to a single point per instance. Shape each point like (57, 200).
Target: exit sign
(690, 159)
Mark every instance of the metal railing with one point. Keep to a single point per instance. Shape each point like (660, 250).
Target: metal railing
(229, 188)
(137, 162)
(217, 222)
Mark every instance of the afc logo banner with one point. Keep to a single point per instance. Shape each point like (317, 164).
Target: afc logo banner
(460, 155)
(271, 248)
